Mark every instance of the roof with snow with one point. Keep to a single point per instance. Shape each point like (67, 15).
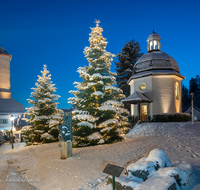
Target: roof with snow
(156, 72)
(156, 60)
(153, 36)
(10, 106)
(136, 97)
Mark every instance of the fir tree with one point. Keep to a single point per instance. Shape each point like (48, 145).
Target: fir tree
(194, 86)
(99, 117)
(44, 116)
(126, 60)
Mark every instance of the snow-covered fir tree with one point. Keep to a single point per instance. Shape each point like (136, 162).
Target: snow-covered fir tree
(98, 116)
(44, 116)
(126, 60)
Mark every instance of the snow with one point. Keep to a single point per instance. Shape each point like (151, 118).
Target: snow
(106, 129)
(53, 122)
(39, 131)
(26, 128)
(83, 171)
(85, 117)
(112, 103)
(98, 93)
(38, 118)
(122, 110)
(107, 107)
(46, 136)
(129, 181)
(159, 156)
(157, 184)
(94, 136)
(56, 117)
(157, 129)
(147, 166)
(86, 123)
(79, 112)
(107, 122)
(113, 88)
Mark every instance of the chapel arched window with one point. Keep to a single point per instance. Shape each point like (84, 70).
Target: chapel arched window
(177, 91)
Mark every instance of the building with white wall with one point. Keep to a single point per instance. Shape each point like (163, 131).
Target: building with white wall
(155, 83)
(8, 106)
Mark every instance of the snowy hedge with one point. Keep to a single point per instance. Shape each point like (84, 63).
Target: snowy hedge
(171, 117)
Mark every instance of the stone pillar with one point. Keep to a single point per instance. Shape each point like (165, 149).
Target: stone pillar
(66, 149)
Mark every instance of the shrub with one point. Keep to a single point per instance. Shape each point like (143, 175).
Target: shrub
(171, 117)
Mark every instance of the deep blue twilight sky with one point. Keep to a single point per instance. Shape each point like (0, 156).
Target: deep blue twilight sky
(38, 32)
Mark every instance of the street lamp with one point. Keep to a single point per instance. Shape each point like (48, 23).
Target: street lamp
(12, 119)
(192, 96)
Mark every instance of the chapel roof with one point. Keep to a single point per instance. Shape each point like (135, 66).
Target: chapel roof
(155, 58)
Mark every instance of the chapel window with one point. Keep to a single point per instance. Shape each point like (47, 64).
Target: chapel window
(177, 91)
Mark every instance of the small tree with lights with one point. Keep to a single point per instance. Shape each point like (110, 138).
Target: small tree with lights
(44, 116)
(98, 116)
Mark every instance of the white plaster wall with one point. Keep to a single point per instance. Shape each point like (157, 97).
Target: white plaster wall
(5, 76)
(5, 126)
(163, 90)
(135, 86)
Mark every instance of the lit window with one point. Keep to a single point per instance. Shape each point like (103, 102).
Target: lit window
(3, 121)
(143, 86)
(176, 91)
(155, 44)
(151, 45)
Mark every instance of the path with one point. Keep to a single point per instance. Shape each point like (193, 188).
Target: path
(8, 176)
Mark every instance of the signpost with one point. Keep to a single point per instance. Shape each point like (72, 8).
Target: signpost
(192, 96)
(113, 170)
(65, 136)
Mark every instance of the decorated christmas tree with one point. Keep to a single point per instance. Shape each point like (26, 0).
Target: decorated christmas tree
(44, 116)
(98, 116)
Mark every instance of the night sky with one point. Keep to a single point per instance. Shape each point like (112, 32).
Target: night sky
(55, 33)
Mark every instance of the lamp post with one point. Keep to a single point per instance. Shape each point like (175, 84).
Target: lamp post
(12, 119)
(192, 96)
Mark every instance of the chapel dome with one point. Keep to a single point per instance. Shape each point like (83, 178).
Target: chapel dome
(155, 59)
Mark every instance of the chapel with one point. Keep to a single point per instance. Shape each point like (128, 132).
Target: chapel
(155, 84)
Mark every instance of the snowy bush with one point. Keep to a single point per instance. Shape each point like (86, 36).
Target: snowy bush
(171, 117)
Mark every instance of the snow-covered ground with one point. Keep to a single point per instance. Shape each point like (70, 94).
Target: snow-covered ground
(42, 163)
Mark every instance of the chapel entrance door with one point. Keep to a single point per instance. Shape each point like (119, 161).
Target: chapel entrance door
(143, 111)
